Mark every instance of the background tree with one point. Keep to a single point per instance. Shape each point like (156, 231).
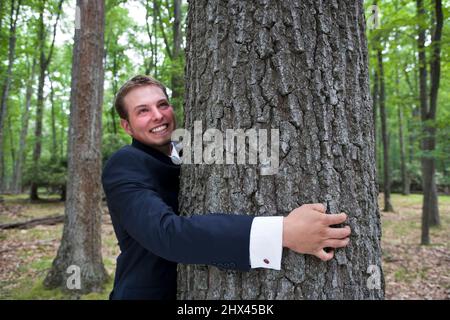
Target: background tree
(301, 67)
(385, 136)
(44, 61)
(18, 166)
(81, 241)
(430, 215)
(14, 15)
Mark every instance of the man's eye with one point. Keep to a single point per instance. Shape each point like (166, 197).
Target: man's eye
(142, 111)
(163, 105)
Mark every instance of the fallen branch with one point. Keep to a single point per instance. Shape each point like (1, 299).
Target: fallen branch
(51, 220)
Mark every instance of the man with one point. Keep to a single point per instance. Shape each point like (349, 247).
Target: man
(141, 184)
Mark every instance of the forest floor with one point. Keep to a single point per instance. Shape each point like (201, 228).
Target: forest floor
(411, 271)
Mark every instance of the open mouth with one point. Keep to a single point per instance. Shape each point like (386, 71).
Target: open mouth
(162, 129)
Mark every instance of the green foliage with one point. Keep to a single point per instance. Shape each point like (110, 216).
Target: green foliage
(396, 36)
(139, 38)
(113, 142)
(51, 174)
(128, 50)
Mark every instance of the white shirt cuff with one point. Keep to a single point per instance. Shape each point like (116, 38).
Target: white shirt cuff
(266, 242)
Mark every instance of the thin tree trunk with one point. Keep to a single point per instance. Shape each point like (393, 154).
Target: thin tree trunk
(115, 89)
(63, 125)
(405, 183)
(177, 36)
(81, 241)
(38, 130)
(17, 176)
(39, 106)
(412, 123)
(53, 121)
(44, 61)
(375, 94)
(7, 83)
(12, 148)
(157, 16)
(2, 5)
(426, 164)
(173, 51)
(409, 140)
(430, 144)
(385, 137)
(405, 188)
(300, 67)
(150, 67)
(177, 82)
(155, 41)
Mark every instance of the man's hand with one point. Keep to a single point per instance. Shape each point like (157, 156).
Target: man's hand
(307, 230)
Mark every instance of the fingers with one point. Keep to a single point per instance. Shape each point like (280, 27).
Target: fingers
(325, 256)
(331, 219)
(336, 243)
(338, 233)
(318, 207)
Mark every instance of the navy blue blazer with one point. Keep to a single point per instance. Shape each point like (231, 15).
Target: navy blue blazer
(141, 186)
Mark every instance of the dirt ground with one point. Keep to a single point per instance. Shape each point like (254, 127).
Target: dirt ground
(411, 271)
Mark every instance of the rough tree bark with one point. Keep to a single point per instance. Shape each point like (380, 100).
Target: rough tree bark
(300, 66)
(81, 241)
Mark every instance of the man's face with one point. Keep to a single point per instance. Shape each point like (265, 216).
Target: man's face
(150, 117)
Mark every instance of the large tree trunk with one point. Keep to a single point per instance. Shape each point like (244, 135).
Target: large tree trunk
(384, 137)
(300, 67)
(81, 241)
(7, 83)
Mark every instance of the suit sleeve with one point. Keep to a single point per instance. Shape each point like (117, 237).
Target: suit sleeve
(216, 239)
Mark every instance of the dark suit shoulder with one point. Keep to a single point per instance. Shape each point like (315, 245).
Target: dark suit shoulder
(134, 165)
(125, 157)
(126, 164)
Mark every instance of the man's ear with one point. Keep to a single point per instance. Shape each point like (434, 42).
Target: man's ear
(126, 126)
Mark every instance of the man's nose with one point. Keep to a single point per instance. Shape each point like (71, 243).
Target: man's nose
(156, 114)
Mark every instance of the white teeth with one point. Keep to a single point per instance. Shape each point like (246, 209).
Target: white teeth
(160, 128)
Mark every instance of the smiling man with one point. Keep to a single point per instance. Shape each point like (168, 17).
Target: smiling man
(141, 184)
(150, 118)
